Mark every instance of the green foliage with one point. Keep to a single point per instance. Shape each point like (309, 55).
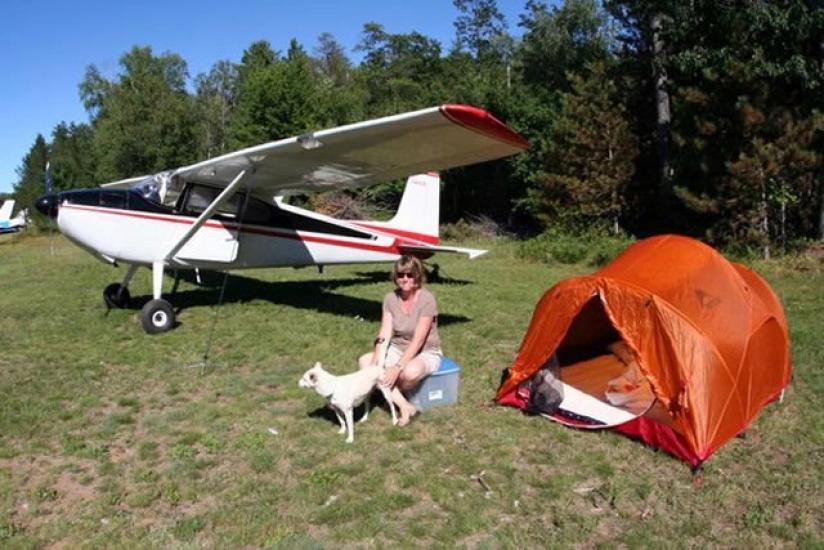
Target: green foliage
(592, 156)
(276, 98)
(480, 29)
(215, 99)
(742, 81)
(777, 172)
(393, 67)
(32, 178)
(591, 246)
(146, 104)
(560, 43)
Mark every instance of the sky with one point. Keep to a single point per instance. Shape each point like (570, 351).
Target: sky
(46, 46)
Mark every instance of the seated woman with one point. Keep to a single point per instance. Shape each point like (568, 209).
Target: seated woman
(410, 324)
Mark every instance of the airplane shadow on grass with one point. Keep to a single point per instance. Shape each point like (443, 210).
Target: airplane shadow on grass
(316, 294)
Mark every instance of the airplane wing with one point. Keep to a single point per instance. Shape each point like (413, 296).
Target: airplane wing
(124, 184)
(365, 153)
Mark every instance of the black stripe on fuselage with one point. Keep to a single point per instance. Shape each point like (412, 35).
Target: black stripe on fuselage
(265, 214)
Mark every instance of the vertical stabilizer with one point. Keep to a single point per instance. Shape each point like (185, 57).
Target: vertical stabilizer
(5, 210)
(419, 211)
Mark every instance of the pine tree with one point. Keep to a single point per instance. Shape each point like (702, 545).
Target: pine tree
(32, 175)
(592, 156)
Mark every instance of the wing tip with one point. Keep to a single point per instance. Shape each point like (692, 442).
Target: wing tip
(484, 122)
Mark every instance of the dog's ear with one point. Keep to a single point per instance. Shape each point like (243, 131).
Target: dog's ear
(318, 365)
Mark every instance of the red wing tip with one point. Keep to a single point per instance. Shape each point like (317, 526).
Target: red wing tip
(484, 122)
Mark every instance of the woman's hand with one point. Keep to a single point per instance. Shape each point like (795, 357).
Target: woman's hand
(390, 376)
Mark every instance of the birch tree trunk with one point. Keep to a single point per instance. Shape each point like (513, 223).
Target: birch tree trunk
(662, 107)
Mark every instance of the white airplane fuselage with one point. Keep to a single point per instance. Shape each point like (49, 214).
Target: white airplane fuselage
(142, 238)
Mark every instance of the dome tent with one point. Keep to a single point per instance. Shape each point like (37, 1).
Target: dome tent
(709, 337)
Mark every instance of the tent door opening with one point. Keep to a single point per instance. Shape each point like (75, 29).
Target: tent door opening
(602, 383)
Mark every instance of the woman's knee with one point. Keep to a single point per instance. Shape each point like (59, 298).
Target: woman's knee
(412, 374)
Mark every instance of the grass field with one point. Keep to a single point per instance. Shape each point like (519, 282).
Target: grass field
(108, 439)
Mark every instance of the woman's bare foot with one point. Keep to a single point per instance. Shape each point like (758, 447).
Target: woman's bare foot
(406, 415)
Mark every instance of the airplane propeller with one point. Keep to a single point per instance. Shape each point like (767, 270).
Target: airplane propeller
(47, 204)
(49, 182)
(49, 207)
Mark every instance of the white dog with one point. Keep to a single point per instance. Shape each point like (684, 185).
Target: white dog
(346, 392)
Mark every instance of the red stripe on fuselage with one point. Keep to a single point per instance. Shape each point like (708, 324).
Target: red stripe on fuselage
(282, 234)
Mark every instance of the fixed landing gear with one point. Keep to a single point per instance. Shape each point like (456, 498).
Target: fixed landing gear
(116, 296)
(157, 316)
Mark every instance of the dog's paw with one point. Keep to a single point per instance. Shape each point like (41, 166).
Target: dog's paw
(342, 431)
(350, 439)
(395, 421)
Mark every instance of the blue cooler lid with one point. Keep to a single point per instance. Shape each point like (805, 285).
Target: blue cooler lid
(448, 366)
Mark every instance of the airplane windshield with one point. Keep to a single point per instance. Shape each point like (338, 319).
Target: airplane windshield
(149, 188)
(160, 188)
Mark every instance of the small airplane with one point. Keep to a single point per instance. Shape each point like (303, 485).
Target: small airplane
(228, 212)
(9, 224)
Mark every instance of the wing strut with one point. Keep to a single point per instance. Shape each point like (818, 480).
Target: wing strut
(221, 199)
(159, 265)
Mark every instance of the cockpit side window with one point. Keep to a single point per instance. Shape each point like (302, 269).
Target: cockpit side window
(199, 197)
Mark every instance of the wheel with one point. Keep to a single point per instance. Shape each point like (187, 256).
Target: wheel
(116, 296)
(157, 316)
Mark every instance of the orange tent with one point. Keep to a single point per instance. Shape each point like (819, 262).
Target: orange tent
(709, 337)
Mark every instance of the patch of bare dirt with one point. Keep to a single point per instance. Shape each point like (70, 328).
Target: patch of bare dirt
(49, 487)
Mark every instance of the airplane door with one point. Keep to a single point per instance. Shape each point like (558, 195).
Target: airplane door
(213, 243)
(217, 240)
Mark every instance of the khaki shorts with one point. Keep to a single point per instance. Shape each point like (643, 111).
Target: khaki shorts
(431, 359)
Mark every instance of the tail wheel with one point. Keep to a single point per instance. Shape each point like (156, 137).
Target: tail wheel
(157, 316)
(116, 296)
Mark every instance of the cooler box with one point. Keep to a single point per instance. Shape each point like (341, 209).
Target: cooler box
(440, 388)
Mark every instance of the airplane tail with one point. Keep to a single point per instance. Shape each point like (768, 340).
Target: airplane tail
(6, 210)
(418, 218)
(419, 213)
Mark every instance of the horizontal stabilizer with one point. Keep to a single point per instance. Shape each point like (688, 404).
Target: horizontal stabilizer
(428, 250)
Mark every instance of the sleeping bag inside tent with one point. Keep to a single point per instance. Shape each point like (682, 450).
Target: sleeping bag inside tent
(670, 343)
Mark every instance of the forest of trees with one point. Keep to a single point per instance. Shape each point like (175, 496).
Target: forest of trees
(701, 117)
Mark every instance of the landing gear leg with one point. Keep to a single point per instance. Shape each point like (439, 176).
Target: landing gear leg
(116, 295)
(157, 315)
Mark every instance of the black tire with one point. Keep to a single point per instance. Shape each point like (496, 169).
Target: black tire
(157, 316)
(115, 296)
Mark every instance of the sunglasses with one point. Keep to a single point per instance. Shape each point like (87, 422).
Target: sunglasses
(405, 275)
